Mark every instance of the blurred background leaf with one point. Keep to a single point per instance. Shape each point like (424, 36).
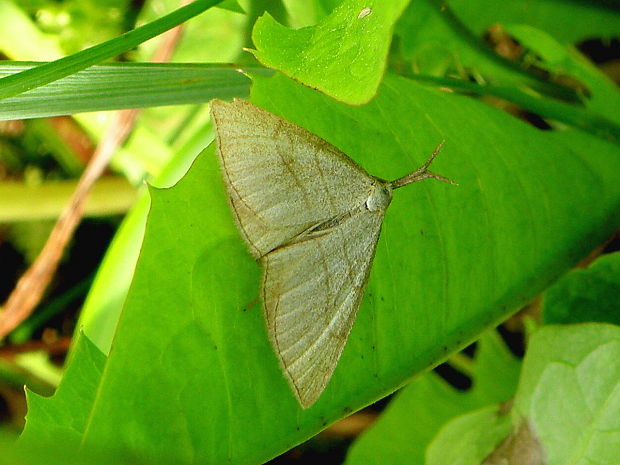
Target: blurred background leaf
(586, 294)
(416, 414)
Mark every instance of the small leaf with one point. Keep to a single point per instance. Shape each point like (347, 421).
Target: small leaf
(468, 439)
(569, 393)
(343, 56)
(586, 294)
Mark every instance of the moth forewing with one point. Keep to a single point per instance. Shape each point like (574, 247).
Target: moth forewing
(281, 178)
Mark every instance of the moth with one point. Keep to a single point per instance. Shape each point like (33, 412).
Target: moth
(312, 217)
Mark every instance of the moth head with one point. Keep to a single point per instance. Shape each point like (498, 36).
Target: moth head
(380, 196)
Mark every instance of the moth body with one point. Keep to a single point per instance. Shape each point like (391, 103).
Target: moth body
(380, 196)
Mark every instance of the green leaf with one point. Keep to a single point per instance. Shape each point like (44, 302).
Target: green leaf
(215, 37)
(566, 411)
(102, 308)
(9, 455)
(64, 416)
(468, 439)
(569, 393)
(496, 371)
(125, 85)
(195, 347)
(413, 418)
(568, 22)
(344, 55)
(558, 111)
(586, 295)
(232, 5)
(434, 42)
(33, 44)
(104, 303)
(437, 43)
(560, 59)
(49, 72)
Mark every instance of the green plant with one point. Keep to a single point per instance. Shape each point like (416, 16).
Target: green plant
(186, 374)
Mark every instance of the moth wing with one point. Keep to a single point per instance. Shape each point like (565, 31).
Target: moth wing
(281, 179)
(312, 290)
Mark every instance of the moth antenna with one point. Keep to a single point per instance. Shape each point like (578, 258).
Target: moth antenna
(422, 172)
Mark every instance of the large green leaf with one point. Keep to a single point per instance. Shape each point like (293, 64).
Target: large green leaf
(64, 417)
(191, 347)
(99, 316)
(344, 55)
